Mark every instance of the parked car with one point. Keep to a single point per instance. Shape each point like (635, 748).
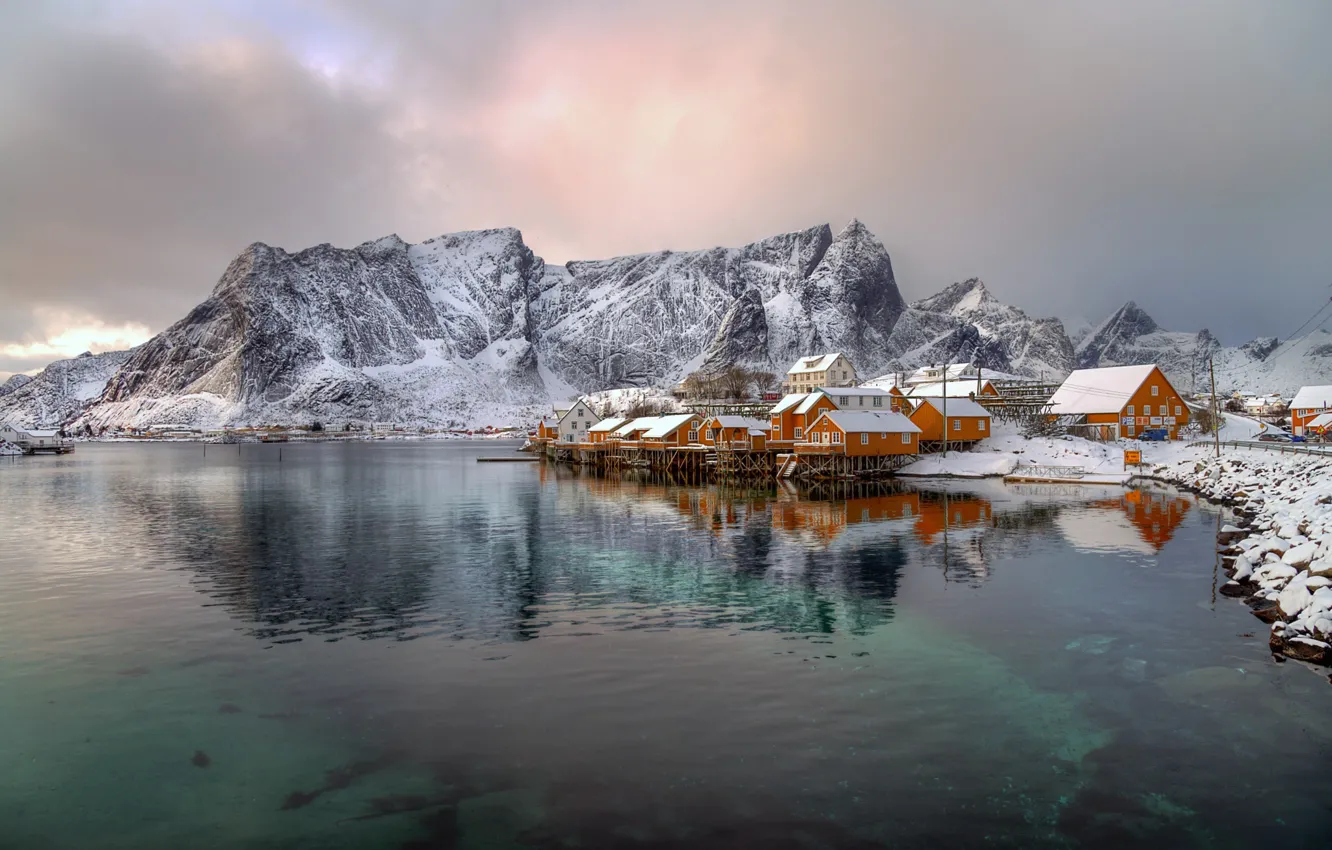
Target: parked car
(1155, 434)
(1274, 437)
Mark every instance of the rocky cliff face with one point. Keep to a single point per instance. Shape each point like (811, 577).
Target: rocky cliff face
(59, 393)
(473, 328)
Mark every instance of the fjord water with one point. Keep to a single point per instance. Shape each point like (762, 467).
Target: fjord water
(390, 645)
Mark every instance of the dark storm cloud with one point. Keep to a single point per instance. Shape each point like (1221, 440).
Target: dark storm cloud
(1074, 155)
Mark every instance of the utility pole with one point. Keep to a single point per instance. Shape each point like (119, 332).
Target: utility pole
(1216, 419)
(945, 408)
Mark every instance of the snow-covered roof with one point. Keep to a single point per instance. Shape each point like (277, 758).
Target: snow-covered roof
(608, 424)
(930, 374)
(958, 406)
(856, 421)
(810, 400)
(40, 433)
(1312, 397)
(883, 382)
(667, 425)
(740, 422)
(816, 363)
(1322, 420)
(757, 432)
(636, 425)
(788, 401)
(1104, 390)
(956, 389)
(585, 403)
(849, 391)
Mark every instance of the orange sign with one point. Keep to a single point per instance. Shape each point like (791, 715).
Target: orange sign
(1132, 456)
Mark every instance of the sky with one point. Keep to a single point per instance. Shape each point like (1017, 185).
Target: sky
(1074, 155)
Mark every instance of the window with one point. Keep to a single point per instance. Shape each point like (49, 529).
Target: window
(980, 425)
(837, 436)
(878, 401)
(864, 438)
(798, 432)
(843, 400)
(693, 436)
(843, 375)
(957, 424)
(906, 438)
(1156, 390)
(1131, 430)
(883, 436)
(1165, 410)
(1130, 410)
(1177, 413)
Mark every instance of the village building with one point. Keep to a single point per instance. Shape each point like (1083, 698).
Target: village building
(679, 429)
(634, 429)
(796, 412)
(822, 370)
(735, 432)
(967, 420)
(856, 433)
(1319, 426)
(603, 429)
(32, 440)
(575, 422)
(1307, 404)
(1119, 401)
(548, 429)
(865, 398)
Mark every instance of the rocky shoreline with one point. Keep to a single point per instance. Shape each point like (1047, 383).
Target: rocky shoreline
(1278, 547)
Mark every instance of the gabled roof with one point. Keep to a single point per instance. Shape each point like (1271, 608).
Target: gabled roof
(883, 381)
(856, 421)
(608, 424)
(957, 406)
(40, 433)
(1311, 397)
(584, 402)
(956, 389)
(1104, 390)
(816, 363)
(1322, 420)
(788, 401)
(929, 374)
(849, 391)
(667, 425)
(739, 422)
(638, 424)
(811, 400)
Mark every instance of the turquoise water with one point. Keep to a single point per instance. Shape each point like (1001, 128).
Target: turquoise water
(390, 645)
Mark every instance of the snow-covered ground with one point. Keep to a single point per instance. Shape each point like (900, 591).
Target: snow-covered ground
(1281, 541)
(1007, 452)
(8, 449)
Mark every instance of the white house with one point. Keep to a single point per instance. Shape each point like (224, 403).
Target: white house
(30, 439)
(820, 370)
(861, 398)
(575, 422)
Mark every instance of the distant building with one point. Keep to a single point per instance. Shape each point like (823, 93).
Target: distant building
(865, 398)
(31, 439)
(964, 388)
(821, 370)
(575, 421)
(1308, 403)
(599, 432)
(735, 431)
(679, 429)
(967, 420)
(1119, 401)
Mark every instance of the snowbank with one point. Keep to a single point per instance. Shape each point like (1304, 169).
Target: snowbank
(1006, 452)
(1279, 550)
(8, 449)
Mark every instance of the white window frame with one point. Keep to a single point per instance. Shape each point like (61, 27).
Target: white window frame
(957, 424)
(864, 438)
(980, 424)
(844, 400)
(1177, 411)
(837, 436)
(1130, 410)
(906, 437)
(1156, 390)
(693, 436)
(878, 401)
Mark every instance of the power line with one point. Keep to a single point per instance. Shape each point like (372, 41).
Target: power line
(1307, 335)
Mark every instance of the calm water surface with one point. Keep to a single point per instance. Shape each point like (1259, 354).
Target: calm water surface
(390, 645)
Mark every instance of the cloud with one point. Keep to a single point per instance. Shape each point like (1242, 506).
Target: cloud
(1075, 155)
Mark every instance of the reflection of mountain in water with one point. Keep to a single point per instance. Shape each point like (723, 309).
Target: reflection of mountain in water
(347, 548)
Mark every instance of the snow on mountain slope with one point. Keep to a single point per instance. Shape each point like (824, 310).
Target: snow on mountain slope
(474, 328)
(59, 392)
(13, 382)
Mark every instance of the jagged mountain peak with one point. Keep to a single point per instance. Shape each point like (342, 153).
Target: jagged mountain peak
(967, 296)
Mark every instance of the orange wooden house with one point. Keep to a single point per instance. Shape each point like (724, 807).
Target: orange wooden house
(602, 431)
(1119, 401)
(861, 433)
(735, 432)
(1308, 404)
(680, 429)
(792, 416)
(548, 429)
(967, 420)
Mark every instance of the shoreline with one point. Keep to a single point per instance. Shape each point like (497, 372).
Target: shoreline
(1277, 547)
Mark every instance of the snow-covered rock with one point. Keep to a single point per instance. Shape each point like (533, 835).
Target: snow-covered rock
(60, 392)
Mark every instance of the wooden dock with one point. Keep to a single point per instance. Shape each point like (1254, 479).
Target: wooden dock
(529, 458)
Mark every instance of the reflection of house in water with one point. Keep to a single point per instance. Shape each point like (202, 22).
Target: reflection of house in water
(1138, 521)
(822, 521)
(953, 526)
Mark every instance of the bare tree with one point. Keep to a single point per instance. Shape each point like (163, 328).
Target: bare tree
(766, 381)
(735, 382)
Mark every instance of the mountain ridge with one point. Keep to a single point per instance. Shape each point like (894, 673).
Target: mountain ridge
(475, 328)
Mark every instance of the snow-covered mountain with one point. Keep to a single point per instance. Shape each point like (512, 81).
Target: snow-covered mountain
(60, 392)
(474, 328)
